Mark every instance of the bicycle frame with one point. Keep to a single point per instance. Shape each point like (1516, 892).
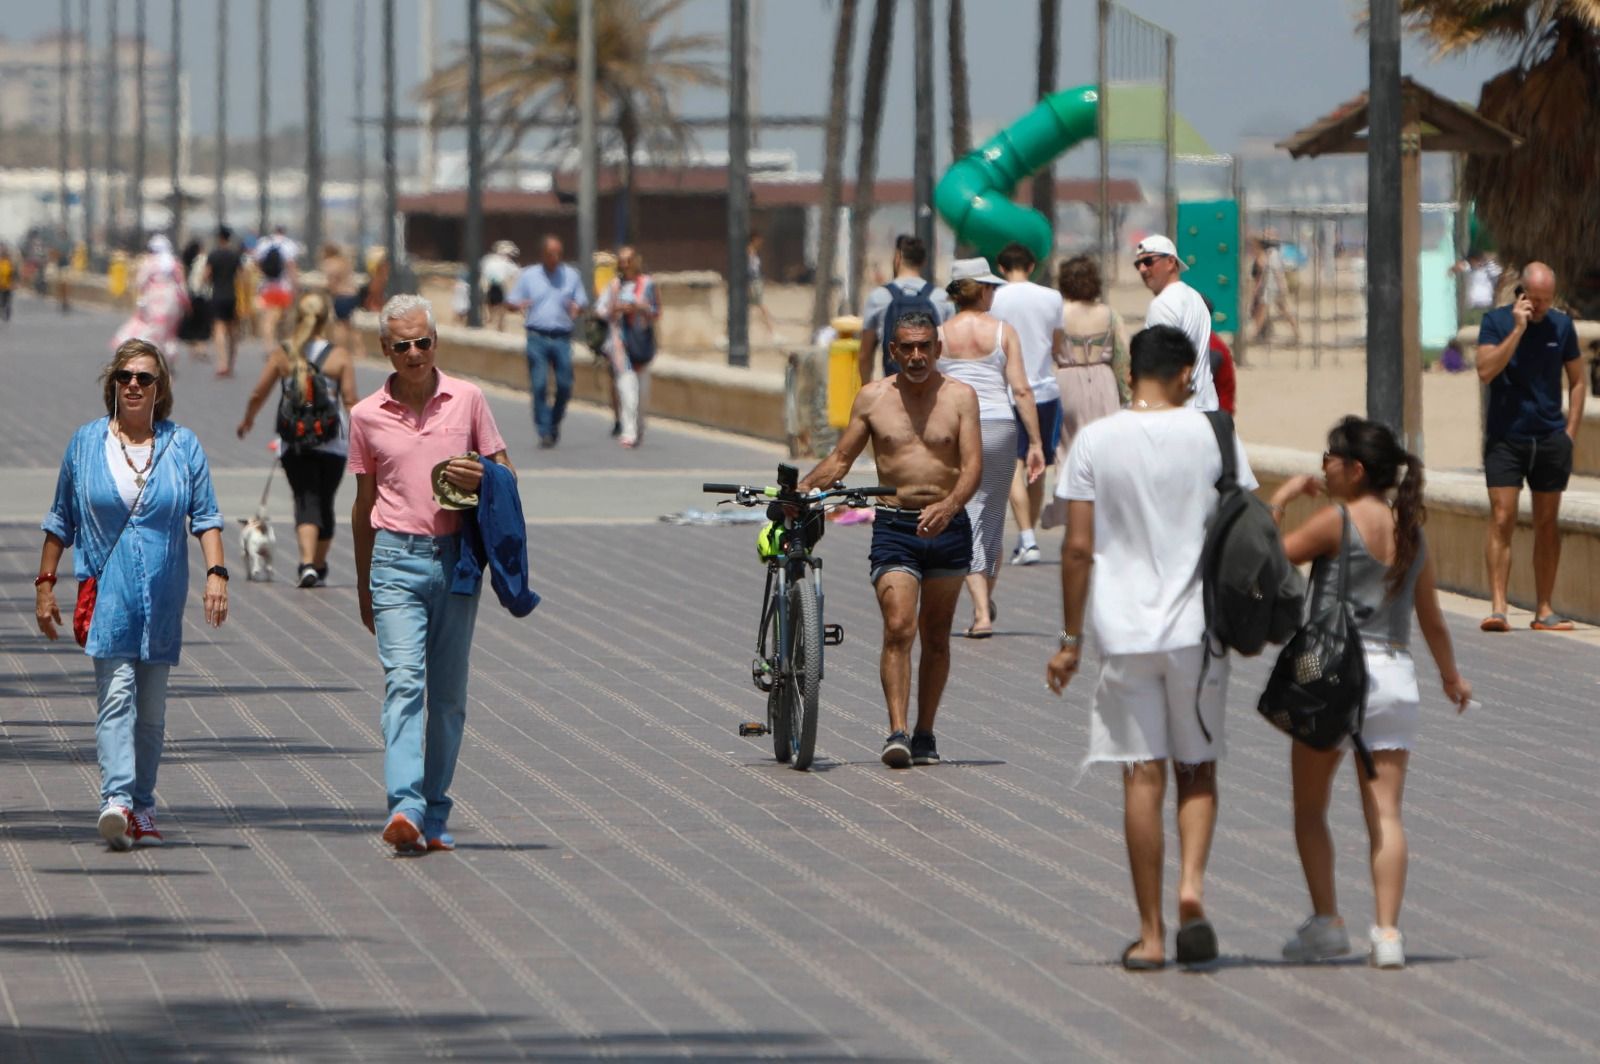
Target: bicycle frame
(781, 571)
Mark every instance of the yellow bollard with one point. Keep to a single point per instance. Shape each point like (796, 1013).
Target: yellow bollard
(844, 370)
(80, 257)
(117, 275)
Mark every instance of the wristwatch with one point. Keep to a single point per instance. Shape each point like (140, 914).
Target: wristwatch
(1070, 640)
(218, 570)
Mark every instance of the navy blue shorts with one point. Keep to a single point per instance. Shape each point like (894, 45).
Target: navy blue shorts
(1049, 431)
(896, 547)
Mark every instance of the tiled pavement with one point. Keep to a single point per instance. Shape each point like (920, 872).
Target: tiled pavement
(636, 882)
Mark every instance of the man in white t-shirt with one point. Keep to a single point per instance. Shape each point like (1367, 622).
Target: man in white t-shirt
(497, 272)
(1177, 304)
(1035, 312)
(1139, 486)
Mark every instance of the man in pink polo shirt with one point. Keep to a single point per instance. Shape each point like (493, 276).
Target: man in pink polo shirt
(406, 547)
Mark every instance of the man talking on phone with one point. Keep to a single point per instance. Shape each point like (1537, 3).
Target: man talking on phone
(1523, 351)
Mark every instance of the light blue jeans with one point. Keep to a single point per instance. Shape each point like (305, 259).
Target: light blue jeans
(424, 638)
(130, 729)
(547, 355)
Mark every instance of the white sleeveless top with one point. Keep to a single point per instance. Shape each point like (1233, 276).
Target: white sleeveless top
(987, 375)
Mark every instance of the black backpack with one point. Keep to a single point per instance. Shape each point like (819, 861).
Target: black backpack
(1317, 693)
(272, 263)
(1252, 595)
(902, 302)
(309, 416)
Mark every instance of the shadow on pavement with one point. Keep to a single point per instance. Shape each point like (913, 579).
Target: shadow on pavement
(223, 1032)
(85, 933)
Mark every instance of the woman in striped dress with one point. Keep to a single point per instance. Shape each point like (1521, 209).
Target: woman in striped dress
(985, 353)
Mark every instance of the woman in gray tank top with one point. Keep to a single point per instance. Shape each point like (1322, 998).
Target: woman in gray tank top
(1390, 578)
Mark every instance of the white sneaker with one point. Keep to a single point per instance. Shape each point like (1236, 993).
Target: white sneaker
(1025, 556)
(1318, 939)
(113, 826)
(1388, 948)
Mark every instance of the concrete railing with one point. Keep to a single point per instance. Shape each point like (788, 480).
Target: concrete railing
(720, 397)
(1458, 518)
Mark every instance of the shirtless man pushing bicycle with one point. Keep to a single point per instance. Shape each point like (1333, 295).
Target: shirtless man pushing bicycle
(923, 428)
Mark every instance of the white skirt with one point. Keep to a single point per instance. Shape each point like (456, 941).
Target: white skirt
(1393, 701)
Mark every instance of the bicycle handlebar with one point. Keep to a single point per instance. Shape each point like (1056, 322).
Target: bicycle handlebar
(750, 495)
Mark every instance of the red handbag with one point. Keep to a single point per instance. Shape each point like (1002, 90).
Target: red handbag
(83, 612)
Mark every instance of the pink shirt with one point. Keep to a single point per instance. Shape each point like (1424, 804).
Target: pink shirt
(390, 442)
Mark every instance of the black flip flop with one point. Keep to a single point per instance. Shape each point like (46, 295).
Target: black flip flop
(1196, 942)
(973, 633)
(1139, 964)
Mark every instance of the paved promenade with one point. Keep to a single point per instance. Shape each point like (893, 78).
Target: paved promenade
(636, 882)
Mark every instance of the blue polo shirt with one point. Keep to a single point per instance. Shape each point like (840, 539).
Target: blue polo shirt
(546, 296)
(1525, 399)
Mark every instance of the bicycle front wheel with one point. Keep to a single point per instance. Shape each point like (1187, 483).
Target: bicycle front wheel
(803, 684)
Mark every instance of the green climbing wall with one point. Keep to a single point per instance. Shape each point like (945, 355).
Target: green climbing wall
(1208, 243)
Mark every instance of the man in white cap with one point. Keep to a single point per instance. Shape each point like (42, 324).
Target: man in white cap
(496, 272)
(1180, 306)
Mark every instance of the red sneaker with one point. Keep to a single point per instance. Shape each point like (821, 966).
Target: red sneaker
(443, 842)
(403, 835)
(143, 828)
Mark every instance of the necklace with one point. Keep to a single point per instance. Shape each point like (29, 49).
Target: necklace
(138, 474)
(1144, 404)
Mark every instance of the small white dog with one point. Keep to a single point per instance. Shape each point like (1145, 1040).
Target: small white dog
(256, 541)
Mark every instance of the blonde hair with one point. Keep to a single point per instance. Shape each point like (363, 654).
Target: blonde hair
(310, 323)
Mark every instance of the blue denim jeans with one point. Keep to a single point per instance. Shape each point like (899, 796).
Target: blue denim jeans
(424, 638)
(130, 728)
(547, 353)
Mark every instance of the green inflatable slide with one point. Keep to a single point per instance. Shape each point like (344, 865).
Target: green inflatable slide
(974, 196)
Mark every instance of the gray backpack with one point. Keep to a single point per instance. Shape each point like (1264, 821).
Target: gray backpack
(1252, 595)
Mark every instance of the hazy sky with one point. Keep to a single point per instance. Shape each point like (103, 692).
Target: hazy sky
(1243, 66)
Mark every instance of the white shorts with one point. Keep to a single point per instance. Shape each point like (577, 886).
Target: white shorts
(1144, 708)
(1393, 701)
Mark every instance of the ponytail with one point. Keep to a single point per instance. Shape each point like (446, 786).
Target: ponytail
(1388, 467)
(311, 318)
(1409, 514)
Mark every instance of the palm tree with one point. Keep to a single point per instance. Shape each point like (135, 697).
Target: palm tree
(1044, 182)
(878, 46)
(530, 78)
(1538, 200)
(833, 164)
(960, 98)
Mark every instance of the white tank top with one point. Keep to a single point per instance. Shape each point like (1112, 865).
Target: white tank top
(987, 376)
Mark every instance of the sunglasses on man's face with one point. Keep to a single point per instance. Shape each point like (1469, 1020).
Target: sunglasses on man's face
(422, 343)
(1148, 261)
(128, 376)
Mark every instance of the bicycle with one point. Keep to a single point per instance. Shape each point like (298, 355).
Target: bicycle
(791, 633)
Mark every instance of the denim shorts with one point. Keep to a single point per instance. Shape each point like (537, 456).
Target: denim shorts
(896, 547)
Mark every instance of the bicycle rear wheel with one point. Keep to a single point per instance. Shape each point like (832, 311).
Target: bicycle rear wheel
(803, 684)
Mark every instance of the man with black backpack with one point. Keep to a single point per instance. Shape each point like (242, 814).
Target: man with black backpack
(1140, 487)
(907, 292)
(275, 258)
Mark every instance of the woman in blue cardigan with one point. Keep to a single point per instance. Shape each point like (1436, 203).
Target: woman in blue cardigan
(131, 487)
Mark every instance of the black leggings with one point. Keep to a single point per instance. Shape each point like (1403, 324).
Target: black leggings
(314, 478)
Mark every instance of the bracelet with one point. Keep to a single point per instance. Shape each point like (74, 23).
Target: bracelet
(1070, 640)
(45, 578)
(1277, 510)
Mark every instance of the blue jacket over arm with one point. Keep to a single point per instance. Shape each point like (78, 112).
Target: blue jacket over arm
(495, 534)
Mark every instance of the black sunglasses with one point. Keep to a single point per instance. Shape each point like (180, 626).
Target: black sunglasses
(128, 376)
(1148, 260)
(422, 343)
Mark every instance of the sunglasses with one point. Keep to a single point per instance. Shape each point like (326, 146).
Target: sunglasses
(421, 343)
(127, 376)
(1148, 261)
